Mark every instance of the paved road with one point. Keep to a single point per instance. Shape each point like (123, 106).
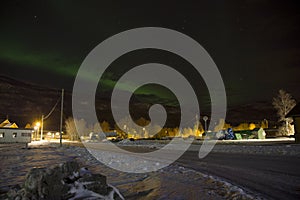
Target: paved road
(273, 177)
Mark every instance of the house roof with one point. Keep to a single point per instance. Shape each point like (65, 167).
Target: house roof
(5, 122)
(11, 125)
(295, 111)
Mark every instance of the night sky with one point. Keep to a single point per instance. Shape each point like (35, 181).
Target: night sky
(255, 44)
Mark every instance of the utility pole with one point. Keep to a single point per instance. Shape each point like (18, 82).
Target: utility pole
(61, 116)
(47, 116)
(42, 127)
(205, 118)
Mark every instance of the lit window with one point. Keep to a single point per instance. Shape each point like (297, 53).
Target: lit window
(1, 135)
(14, 135)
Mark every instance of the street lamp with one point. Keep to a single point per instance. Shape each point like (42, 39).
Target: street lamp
(42, 127)
(37, 127)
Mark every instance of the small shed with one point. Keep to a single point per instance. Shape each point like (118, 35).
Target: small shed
(295, 114)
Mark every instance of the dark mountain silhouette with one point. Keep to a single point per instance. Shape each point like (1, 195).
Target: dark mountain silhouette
(25, 102)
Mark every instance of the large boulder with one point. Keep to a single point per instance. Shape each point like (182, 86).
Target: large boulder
(66, 181)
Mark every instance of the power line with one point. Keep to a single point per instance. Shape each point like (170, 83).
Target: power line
(52, 110)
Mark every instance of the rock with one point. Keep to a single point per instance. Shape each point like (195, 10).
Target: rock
(53, 186)
(44, 183)
(13, 191)
(66, 181)
(69, 168)
(95, 183)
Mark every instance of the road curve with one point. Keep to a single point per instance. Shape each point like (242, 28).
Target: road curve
(270, 177)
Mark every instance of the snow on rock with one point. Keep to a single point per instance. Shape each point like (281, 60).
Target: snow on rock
(65, 181)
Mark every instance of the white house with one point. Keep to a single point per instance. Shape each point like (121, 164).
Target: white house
(10, 133)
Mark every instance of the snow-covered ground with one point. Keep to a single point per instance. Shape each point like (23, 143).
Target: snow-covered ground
(172, 182)
(281, 146)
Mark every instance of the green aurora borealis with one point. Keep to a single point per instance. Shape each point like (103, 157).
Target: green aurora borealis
(254, 44)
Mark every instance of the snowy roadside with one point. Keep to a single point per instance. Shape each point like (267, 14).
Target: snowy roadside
(261, 147)
(287, 150)
(172, 182)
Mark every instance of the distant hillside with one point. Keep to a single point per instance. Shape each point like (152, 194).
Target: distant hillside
(255, 112)
(26, 102)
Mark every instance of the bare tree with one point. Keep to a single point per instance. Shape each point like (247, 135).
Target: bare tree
(71, 129)
(105, 126)
(137, 129)
(284, 103)
(75, 132)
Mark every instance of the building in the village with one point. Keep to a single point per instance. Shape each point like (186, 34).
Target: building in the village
(11, 133)
(295, 114)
